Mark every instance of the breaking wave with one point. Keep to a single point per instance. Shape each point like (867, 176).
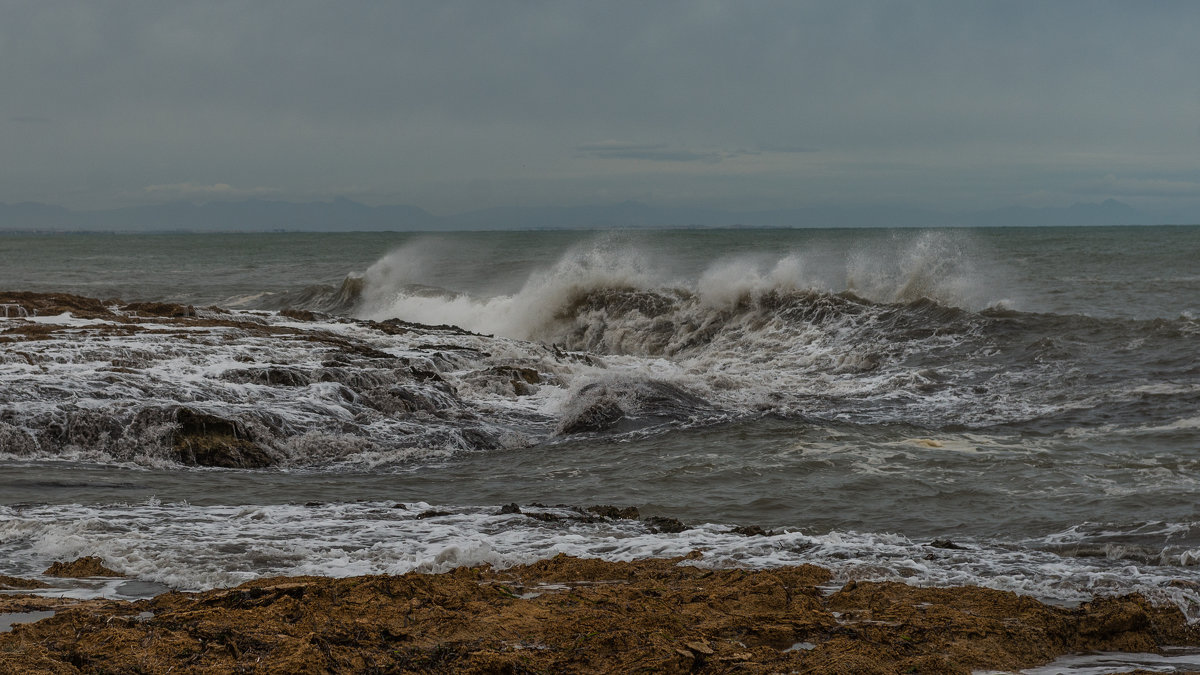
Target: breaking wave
(606, 281)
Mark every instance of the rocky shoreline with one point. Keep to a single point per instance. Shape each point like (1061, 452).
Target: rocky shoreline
(576, 615)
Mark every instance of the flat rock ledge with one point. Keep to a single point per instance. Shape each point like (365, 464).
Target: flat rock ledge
(569, 615)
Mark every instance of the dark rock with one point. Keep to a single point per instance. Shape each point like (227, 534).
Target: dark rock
(398, 505)
(544, 517)
(947, 544)
(298, 314)
(421, 375)
(399, 399)
(201, 439)
(88, 566)
(312, 504)
(509, 508)
(600, 415)
(752, 531)
(664, 525)
(163, 309)
(626, 406)
(432, 513)
(271, 375)
(608, 511)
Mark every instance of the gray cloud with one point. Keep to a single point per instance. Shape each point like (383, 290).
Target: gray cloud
(29, 119)
(653, 152)
(934, 103)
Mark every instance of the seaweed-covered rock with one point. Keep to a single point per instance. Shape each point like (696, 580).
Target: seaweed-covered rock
(87, 566)
(202, 439)
(609, 511)
(662, 524)
(584, 616)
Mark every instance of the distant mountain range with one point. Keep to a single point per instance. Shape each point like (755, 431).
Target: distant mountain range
(344, 215)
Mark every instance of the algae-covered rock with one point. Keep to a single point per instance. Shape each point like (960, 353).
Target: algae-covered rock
(87, 566)
(571, 615)
(202, 439)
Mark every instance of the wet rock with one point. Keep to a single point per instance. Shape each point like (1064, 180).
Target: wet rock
(608, 511)
(88, 566)
(509, 508)
(16, 441)
(598, 415)
(402, 400)
(274, 376)
(163, 309)
(201, 439)
(50, 304)
(752, 531)
(628, 405)
(664, 525)
(946, 544)
(517, 380)
(8, 583)
(298, 314)
(592, 617)
(432, 513)
(544, 517)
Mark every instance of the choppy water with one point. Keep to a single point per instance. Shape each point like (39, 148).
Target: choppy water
(1031, 395)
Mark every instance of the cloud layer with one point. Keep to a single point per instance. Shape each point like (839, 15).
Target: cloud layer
(462, 105)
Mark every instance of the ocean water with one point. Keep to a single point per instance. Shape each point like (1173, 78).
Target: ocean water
(1014, 408)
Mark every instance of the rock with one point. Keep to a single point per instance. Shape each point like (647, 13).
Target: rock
(599, 415)
(607, 511)
(946, 544)
(432, 513)
(163, 309)
(88, 566)
(202, 439)
(590, 616)
(752, 531)
(509, 508)
(298, 314)
(271, 375)
(661, 524)
(8, 583)
(50, 304)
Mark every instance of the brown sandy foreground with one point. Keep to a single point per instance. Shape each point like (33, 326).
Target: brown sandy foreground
(568, 615)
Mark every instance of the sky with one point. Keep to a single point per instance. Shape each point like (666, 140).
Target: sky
(456, 106)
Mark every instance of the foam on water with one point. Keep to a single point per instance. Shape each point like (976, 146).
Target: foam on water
(196, 547)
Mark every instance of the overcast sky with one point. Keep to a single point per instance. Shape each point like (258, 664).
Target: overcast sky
(455, 106)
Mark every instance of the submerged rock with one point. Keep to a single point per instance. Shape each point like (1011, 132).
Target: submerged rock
(752, 531)
(662, 524)
(627, 405)
(608, 511)
(87, 566)
(946, 544)
(8, 583)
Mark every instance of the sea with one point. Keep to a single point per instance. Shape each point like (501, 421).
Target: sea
(1011, 408)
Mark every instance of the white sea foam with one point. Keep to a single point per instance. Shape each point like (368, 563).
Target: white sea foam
(199, 547)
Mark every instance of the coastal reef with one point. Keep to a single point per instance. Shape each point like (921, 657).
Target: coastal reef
(567, 615)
